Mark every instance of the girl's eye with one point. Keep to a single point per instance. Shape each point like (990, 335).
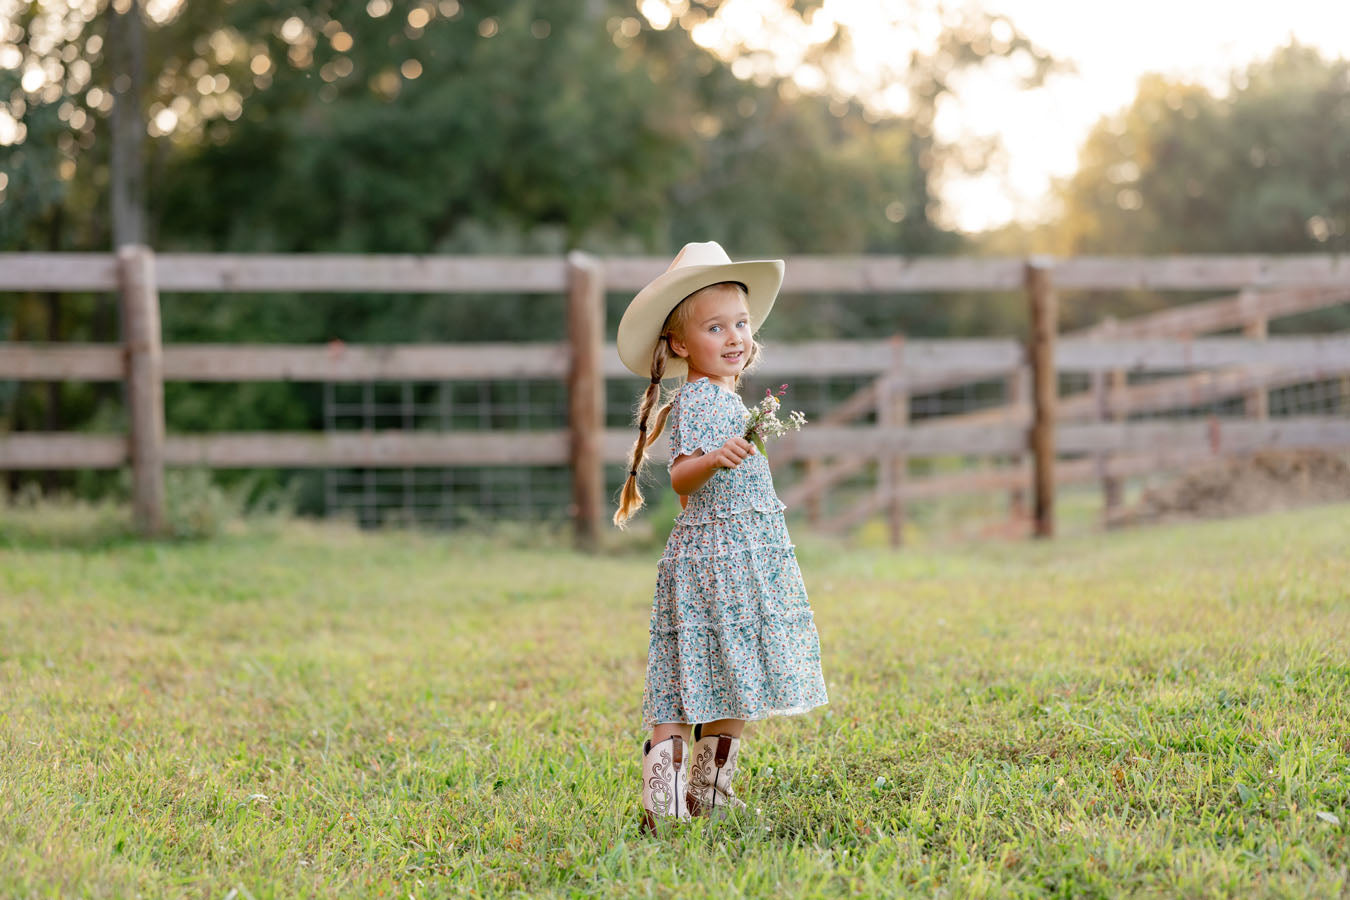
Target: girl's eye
(714, 328)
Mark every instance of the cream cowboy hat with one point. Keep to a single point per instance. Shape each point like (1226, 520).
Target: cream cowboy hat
(695, 266)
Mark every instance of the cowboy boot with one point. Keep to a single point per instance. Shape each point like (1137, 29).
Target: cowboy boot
(664, 781)
(714, 764)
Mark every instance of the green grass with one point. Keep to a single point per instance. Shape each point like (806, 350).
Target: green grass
(310, 711)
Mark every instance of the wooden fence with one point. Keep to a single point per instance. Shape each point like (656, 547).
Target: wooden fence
(1110, 398)
(1043, 424)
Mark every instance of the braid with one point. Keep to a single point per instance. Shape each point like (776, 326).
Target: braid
(630, 500)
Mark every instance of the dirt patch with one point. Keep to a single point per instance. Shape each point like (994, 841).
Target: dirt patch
(1242, 485)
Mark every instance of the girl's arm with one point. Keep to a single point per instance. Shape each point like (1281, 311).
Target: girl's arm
(692, 470)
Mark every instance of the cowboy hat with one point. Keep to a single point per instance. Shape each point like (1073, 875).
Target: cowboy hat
(696, 266)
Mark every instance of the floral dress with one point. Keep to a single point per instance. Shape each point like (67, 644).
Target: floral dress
(732, 633)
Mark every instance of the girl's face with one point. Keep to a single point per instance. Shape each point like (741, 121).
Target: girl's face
(715, 339)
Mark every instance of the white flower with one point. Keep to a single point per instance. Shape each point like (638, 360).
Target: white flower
(764, 422)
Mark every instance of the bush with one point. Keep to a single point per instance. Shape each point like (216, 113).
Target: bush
(197, 507)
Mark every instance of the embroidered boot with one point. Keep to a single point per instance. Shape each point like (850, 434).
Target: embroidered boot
(664, 781)
(714, 764)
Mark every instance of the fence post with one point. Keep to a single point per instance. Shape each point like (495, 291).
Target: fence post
(1106, 394)
(1018, 390)
(1258, 398)
(1044, 393)
(145, 385)
(893, 412)
(586, 394)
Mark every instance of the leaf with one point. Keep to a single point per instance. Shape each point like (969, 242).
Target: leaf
(759, 443)
(1329, 817)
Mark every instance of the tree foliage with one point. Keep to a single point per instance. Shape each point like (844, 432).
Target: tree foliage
(373, 126)
(1262, 169)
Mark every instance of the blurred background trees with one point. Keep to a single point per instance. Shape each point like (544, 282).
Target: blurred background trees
(1262, 169)
(539, 126)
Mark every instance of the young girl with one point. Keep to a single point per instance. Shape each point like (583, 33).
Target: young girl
(732, 634)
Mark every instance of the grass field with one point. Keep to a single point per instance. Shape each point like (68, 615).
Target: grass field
(311, 711)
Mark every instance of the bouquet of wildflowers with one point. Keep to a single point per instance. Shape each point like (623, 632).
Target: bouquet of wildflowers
(764, 421)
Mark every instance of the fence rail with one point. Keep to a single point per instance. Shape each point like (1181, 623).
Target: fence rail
(430, 362)
(1035, 420)
(337, 273)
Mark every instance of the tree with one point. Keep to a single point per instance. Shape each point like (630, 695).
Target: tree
(1262, 169)
(440, 126)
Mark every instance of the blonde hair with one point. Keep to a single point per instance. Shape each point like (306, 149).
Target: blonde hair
(631, 499)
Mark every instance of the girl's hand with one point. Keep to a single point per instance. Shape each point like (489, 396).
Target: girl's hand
(731, 454)
(693, 470)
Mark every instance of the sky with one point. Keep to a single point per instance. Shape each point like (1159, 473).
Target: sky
(1110, 45)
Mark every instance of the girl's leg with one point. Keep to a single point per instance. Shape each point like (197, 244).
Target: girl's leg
(732, 727)
(663, 730)
(713, 766)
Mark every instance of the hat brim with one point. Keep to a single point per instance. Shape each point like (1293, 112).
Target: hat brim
(640, 327)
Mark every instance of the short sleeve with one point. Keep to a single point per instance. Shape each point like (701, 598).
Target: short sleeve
(693, 420)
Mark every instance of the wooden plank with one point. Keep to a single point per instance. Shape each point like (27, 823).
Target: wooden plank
(923, 358)
(47, 451)
(346, 273)
(586, 395)
(1219, 435)
(58, 272)
(298, 272)
(1094, 355)
(854, 274)
(436, 273)
(62, 362)
(144, 386)
(895, 274)
(927, 438)
(338, 361)
(392, 449)
(389, 449)
(1202, 272)
(335, 361)
(342, 362)
(929, 364)
(397, 449)
(1222, 313)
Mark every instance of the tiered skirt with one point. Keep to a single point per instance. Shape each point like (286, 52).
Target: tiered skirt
(732, 633)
